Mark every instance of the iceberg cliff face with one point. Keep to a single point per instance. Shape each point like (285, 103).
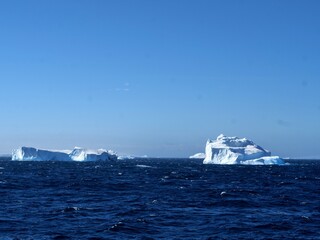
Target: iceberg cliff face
(234, 150)
(77, 154)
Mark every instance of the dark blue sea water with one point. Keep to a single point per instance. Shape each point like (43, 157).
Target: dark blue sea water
(158, 199)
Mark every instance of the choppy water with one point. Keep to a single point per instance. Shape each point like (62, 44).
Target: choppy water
(158, 199)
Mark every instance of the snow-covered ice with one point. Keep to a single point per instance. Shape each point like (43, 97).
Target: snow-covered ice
(198, 155)
(234, 150)
(77, 154)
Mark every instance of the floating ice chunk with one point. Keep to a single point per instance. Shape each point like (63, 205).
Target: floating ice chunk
(234, 150)
(198, 156)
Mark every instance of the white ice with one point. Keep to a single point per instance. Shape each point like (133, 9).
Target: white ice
(77, 154)
(234, 150)
(198, 156)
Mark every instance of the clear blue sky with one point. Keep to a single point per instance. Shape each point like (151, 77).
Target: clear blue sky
(160, 77)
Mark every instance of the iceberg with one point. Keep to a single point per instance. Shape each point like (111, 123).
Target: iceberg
(77, 154)
(80, 154)
(234, 150)
(198, 156)
(130, 157)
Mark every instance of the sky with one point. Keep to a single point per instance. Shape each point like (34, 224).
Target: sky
(159, 78)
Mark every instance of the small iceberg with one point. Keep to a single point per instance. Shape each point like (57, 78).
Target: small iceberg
(234, 150)
(130, 157)
(198, 156)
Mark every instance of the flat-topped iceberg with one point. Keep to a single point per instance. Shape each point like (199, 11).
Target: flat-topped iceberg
(234, 150)
(77, 154)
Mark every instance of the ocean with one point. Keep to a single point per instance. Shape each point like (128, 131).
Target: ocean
(158, 199)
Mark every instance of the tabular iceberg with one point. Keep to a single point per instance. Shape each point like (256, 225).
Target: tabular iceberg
(77, 154)
(234, 150)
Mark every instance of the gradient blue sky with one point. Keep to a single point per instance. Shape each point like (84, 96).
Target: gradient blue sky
(160, 77)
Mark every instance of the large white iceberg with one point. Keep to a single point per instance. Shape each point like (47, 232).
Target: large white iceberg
(234, 150)
(77, 154)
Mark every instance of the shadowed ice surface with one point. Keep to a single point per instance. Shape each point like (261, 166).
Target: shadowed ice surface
(158, 198)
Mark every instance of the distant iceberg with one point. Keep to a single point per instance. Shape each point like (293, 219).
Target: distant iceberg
(234, 150)
(126, 157)
(77, 154)
(198, 156)
(130, 157)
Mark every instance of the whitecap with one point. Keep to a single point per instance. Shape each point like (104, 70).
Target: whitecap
(143, 166)
(71, 209)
